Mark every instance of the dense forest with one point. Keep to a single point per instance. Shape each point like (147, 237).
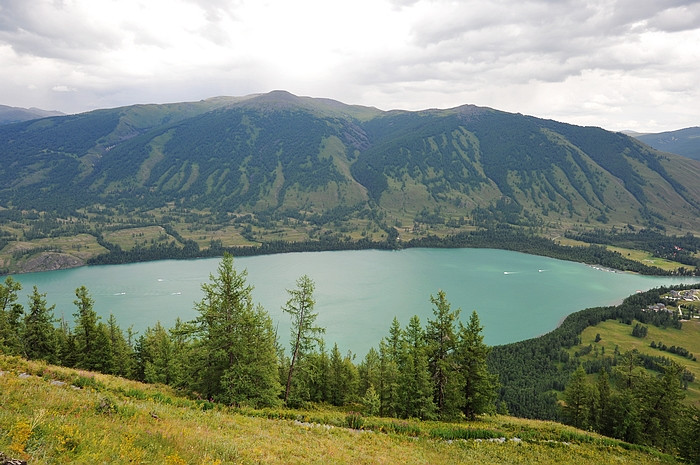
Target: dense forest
(442, 369)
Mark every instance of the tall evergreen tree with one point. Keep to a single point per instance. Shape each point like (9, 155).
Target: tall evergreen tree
(370, 372)
(343, 378)
(441, 344)
(604, 419)
(415, 389)
(318, 374)
(155, 353)
(577, 397)
(662, 408)
(86, 331)
(390, 350)
(122, 354)
(11, 321)
(238, 350)
(478, 384)
(39, 331)
(304, 334)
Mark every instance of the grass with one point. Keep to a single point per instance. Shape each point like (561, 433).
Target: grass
(112, 420)
(613, 333)
(647, 258)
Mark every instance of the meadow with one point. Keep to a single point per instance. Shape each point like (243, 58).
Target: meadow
(50, 414)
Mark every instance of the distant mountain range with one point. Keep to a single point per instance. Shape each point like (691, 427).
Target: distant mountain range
(279, 155)
(15, 115)
(684, 142)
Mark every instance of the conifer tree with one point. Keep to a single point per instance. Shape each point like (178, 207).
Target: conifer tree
(577, 398)
(318, 374)
(11, 320)
(390, 350)
(304, 334)
(441, 345)
(415, 389)
(156, 355)
(122, 354)
(39, 331)
(86, 331)
(604, 419)
(478, 384)
(369, 372)
(237, 351)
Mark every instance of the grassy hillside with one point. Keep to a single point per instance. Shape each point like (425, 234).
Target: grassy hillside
(57, 415)
(616, 334)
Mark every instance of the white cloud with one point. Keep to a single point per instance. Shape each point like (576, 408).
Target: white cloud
(600, 62)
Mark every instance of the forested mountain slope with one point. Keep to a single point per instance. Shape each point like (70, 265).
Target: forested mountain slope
(684, 142)
(303, 167)
(15, 114)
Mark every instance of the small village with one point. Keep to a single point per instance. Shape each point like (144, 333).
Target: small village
(684, 297)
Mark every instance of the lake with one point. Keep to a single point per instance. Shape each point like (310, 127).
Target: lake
(358, 293)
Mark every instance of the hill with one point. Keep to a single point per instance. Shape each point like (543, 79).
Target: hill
(15, 114)
(58, 415)
(684, 142)
(278, 167)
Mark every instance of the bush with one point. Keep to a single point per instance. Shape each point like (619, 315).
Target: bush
(354, 420)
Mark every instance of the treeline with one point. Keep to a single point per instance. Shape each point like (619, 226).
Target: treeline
(629, 403)
(682, 351)
(676, 248)
(501, 237)
(508, 238)
(533, 371)
(230, 353)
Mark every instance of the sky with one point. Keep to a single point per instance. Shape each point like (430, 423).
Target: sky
(617, 64)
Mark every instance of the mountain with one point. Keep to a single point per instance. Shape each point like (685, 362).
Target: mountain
(684, 142)
(281, 167)
(16, 114)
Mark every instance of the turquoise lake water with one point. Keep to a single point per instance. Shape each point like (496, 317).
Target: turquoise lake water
(358, 293)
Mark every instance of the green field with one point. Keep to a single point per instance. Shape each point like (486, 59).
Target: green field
(613, 333)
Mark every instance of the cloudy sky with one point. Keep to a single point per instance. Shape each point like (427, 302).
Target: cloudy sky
(619, 64)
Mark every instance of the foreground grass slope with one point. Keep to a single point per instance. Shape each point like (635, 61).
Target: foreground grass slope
(56, 415)
(613, 333)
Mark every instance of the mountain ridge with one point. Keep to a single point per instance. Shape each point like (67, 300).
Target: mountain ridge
(685, 142)
(277, 166)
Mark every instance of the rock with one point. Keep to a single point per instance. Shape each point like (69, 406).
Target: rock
(24, 376)
(5, 460)
(56, 382)
(49, 261)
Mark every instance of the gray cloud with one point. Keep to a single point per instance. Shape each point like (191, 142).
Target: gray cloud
(594, 61)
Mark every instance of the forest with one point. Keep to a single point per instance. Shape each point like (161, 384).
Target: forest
(440, 369)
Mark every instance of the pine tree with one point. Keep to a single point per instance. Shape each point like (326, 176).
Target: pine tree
(343, 378)
(388, 381)
(415, 390)
(86, 331)
(156, 354)
(304, 335)
(661, 407)
(577, 399)
(441, 344)
(237, 351)
(478, 384)
(370, 372)
(39, 331)
(122, 354)
(604, 420)
(11, 321)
